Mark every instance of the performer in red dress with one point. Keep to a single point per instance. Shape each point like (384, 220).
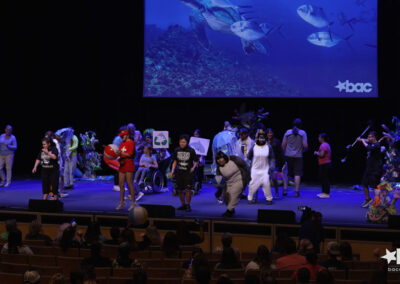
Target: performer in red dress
(126, 153)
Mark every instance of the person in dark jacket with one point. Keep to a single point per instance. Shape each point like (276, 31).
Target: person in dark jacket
(237, 176)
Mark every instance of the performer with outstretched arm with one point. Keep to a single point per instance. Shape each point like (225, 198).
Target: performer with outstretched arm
(126, 168)
(184, 163)
(237, 176)
(373, 168)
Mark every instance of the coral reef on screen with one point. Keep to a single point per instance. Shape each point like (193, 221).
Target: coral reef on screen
(176, 65)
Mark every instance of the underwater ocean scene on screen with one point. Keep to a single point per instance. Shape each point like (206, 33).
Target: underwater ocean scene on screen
(260, 48)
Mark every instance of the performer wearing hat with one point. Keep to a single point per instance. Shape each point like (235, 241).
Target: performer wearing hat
(126, 168)
(262, 162)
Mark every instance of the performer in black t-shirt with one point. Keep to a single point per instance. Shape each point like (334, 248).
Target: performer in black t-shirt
(373, 168)
(48, 158)
(184, 163)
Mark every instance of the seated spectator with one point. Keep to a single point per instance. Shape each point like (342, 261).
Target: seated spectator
(312, 228)
(303, 276)
(96, 259)
(170, 245)
(292, 260)
(14, 244)
(127, 235)
(228, 260)
(346, 252)
(224, 279)
(226, 240)
(115, 234)
(311, 265)
(150, 238)
(305, 246)
(333, 263)
(324, 277)
(57, 278)
(185, 237)
(198, 260)
(93, 235)
(68, 239)
(10, 224)
(261, 261)
(123, 260)
(36, 233)
(196, 253)
(31, 277)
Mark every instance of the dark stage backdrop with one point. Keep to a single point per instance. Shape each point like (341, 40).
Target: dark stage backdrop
(79, 63)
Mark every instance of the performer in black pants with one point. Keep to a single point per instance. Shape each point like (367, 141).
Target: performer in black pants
(48, 158)
(184, 162)
(373, 169)
(277, 148)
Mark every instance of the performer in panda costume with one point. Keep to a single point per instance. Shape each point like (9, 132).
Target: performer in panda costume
(262, 161)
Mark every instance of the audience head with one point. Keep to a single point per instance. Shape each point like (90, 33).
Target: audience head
(14, 241)
(31, 277)
(115, 233)
(124, 250)
(11, 224)
(305, 246)
(128, 236)
(290, 246)
(333, 249)
(35, 228)
(346, 252)
(229, 257)
(263, 257)
(57, 278)
(303, 275)
(153, 234)
(92, 233)
(67, 238)
(170, 243)
(226, 240)
(324, 277)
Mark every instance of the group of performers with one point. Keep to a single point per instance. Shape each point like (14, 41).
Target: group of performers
(247, 162)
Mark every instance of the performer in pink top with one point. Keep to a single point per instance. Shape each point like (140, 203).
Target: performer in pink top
(324, 162)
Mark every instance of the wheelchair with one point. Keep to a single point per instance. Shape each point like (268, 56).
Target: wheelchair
(153, 182)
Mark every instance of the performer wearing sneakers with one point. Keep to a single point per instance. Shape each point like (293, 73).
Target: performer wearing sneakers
(184, 163)
(262, 160)
(324, 162)
(373, 169)
(126, 168)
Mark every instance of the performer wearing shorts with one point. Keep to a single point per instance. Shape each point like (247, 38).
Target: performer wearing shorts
(126, 168)
(262, 160)
(237, 176)
(294, 144)
(185, 158)
(48, 158)
(373, 169)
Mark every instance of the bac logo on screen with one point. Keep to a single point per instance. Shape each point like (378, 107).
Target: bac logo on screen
(349, 87)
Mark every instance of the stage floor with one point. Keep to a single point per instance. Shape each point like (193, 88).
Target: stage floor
(342, 209)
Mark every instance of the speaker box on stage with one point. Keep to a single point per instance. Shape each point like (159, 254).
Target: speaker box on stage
(159, 211)
(276, 216)
(394, 222)
(39, 205)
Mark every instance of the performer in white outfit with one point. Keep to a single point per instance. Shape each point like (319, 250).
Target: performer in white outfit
(262, 161)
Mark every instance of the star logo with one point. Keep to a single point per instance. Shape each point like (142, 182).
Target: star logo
(341, 86)
(390, 256)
